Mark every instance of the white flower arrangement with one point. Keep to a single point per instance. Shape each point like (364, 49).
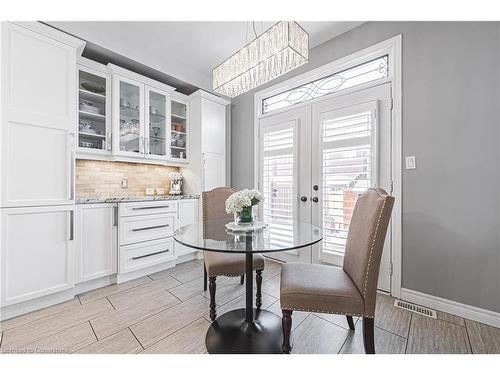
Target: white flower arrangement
(242, 199)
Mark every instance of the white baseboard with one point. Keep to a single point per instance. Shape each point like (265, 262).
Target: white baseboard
(491, 318)
(11, 311)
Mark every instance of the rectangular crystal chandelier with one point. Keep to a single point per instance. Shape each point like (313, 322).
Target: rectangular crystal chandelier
(280, 49)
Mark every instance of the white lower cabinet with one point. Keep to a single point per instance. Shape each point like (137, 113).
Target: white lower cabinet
(145, 254)
(37, 255)
(188, 213)
(145, 228)
(145, 236)
(96, 241)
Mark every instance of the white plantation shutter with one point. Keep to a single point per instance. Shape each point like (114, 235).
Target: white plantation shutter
(349, 156)
(279, 179)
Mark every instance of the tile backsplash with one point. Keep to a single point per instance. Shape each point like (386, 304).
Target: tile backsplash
(102, 179)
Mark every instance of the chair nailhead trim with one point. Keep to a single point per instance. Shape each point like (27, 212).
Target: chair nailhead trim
(232, 274)
(372, 246)
(328, 312)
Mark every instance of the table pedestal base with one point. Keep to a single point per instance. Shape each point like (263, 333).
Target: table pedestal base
(230, 333)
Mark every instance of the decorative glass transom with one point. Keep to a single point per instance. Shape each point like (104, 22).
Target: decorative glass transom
(357, 75)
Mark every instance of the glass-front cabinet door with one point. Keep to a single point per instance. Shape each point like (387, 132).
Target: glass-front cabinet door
(178, 130)
(94, 133)
(128, 117)
(157, 114)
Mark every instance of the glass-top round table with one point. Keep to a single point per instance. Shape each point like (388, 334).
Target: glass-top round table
(247, 330)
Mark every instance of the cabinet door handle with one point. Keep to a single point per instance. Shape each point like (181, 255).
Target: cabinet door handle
(115, 216)
(71, 225)
(141, 145)
(109, 141)
(146, 145)
(150, 255)
(146, 228)
(148, 208)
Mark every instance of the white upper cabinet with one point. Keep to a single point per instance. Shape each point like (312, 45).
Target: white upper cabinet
(39, 111)
(39, 77)
(94, 108)
(207, 167)
(179, 123)
(157, 124)
(141, 117)
(128, 117)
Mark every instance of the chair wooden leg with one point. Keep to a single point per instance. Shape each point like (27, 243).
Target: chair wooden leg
(350, 322)
(258, 282)
(212, 287)
(205, 277)
(242, 279)
(368, 335)
(286, 322)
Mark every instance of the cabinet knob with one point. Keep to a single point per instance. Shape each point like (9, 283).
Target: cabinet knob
(303, 198)
(315, 199)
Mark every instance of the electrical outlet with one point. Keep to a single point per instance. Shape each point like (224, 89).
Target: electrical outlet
(410, 162)
(160, 191)
(150, 191)
(124, 183)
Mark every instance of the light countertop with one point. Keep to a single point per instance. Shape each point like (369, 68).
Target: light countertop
(134, 199)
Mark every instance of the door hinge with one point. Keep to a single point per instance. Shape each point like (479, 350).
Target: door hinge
(392, 104)
(390, 269)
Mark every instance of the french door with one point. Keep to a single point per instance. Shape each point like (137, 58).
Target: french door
(314, 162)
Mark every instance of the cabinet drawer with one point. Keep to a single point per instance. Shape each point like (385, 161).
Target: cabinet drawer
(145, 228)
(147, 208)
(138, 256)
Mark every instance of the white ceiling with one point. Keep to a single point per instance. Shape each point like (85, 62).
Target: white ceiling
(186, 50)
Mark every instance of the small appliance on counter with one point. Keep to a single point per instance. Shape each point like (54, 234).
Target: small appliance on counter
(175, 183)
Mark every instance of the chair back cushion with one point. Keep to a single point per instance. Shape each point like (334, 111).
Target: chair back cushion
(214, 203)
(365, 242)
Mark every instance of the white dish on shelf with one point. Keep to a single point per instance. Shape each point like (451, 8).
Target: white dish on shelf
(257, 225)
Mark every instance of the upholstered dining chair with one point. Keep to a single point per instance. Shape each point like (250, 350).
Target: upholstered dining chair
(224, 264)
(350, 290)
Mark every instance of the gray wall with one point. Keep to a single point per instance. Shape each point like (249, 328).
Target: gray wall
(450, 202)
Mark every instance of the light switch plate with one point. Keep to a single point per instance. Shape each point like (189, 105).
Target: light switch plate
(410, 162)
(160, 191)
(150, 191)
(124, 183)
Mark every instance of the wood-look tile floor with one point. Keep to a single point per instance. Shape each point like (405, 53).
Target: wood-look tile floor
(167, 312)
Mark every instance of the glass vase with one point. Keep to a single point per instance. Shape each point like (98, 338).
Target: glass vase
(245, 217)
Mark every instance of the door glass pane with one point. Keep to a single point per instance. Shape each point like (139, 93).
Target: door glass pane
(347, 172)
(178, 129)
(278, 181)
(157, 124)
(91, 111)
(129, 117)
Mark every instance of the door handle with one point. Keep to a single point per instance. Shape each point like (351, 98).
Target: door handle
(109, 141)
(315, 199)
(146, 228)
(71, 225)
(303, 198)
(149, 207)
(150, 255)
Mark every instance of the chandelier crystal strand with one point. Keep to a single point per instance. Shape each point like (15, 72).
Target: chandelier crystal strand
(280, 49)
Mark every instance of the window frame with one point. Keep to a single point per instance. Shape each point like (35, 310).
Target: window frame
(340, 89)
(392, 47)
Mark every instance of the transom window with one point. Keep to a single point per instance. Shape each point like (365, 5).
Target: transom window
(357, 75)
